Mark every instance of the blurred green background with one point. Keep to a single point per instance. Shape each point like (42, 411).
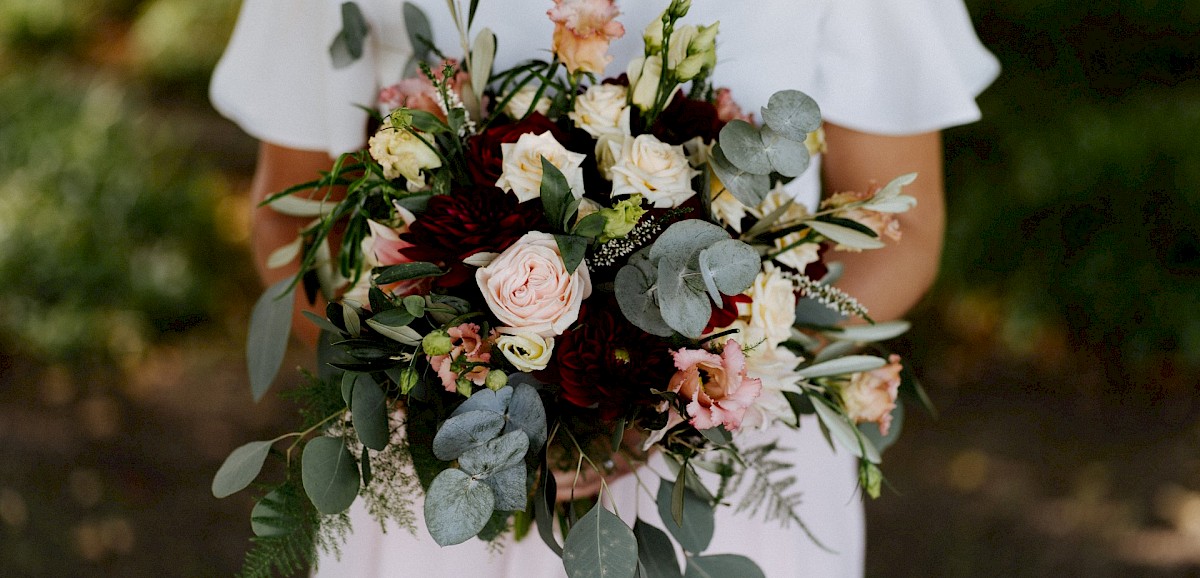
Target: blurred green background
(1061, 346)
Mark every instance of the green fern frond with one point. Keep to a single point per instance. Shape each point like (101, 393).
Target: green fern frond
(773, 499)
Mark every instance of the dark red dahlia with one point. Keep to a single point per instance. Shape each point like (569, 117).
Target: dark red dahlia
(608, 364)
(728, 312)
(685, 119)
(469, 220)
(484, 156)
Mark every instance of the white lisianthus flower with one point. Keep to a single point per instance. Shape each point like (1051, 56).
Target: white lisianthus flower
(658, 171)
(521, 100)
(801, 255)
(601, 110)
(522, 165)
(644, 75)
(402, 153)
(776, 368)
(527, 351)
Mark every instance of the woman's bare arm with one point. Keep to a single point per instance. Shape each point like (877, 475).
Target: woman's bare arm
(892, 280)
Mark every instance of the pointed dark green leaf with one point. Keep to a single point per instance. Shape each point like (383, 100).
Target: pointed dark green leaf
(590, 226)
(600, 545)
(364, 463)
(368, 409)
(266, 342)
(696, 532)
(722, 566)
(792, 114)
(330, 476)
(457, 507)
(656, 555)
(572, 248)
(398, 317)
(556, 195)
(465, 431)
(407, 271)
(240, 468)
(543, 508)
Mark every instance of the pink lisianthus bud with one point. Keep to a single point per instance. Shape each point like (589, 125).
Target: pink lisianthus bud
(871, 395)
(583, 30)
(467, 359)
(717, 385)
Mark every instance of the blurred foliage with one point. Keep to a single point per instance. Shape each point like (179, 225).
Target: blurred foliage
(109, 228)
(1076, 202)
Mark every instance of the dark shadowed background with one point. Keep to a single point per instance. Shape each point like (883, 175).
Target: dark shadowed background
(1061, 346)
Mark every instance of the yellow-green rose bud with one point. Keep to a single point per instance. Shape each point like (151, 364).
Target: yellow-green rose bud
(464, 386)
(622, 218)
(705, 39)
(496, 379)
(679, 8)
(653, 35)
(437, 342)
(872, 480)
(401, 118)
(691, 67)
(407, 380)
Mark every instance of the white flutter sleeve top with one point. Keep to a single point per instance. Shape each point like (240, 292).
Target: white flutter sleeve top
(893, 67)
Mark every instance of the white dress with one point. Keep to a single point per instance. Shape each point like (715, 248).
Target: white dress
(890, 67)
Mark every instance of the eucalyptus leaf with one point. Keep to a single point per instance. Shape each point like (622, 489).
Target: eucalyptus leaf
(787, 157)
(792, 114)
(486, 399)
(543, 508)
(656, 555)
(722, 566)
(684, 240)
(635, 291)
(465, 431)
(846, 435)
(415, 305)
(845, 235)
(841, 366)
(240, 468)
(731, 265)
(267, 521)
(749, 188)
(526, 412)
(684, 309)
(369, 412)
(420, 36)
(347, 46)
(696, 531)
(600, 545)
(509, 488)
(330, 476)
(444, 308)
(457, 507)
(743, 146)
(348, 379)
(500, 463)
(266, 342)
(482, 54)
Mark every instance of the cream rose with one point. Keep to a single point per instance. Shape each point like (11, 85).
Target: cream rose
(773, 307)
(525, 350)
(602, 110)
(522, 100)
(528, 288)
(522, 165)
(799, 256)
(401, 153)
(657, 170)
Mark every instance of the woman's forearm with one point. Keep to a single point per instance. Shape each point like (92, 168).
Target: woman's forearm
(892, 280)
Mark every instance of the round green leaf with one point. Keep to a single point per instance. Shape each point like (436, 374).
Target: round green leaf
(240, 468)
(696, 532)
(486, 399)
(743, 146)
(266, 519)
(683, 240)
(503, 452)
(600, 545)
(266, 342)
(330, 476)
(730, 265)
(721, 566)
(634, 286)
(369, 412)
(749, 188)
(792, 114)
(465, 431)
(684, 308)
(526, 412)
(456, 507)
(788, 157)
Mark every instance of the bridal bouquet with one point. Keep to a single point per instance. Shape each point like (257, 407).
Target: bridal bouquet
(535, 270)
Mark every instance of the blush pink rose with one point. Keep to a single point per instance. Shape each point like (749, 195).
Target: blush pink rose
(418, 93)
(528, 287)
(717, 385)
(728, 109)
(871, 395)
(468, 358)
(583, 30)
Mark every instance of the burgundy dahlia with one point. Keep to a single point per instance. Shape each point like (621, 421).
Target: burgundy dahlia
(469, 220)
(484, 157)
(608, 364)
(685, 119)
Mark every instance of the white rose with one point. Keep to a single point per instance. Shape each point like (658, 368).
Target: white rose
(657, 170)
(797, 257)
(521, 101)
(522, 165)
(602, 110)
(608, 151)
(401, 153)
(776, 368)
(527, 351)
